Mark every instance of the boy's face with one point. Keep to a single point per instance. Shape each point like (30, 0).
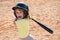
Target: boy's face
(19, 13)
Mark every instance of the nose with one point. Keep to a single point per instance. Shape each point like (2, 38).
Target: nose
(18, 13)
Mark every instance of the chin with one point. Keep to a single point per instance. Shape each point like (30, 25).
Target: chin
(19, 18)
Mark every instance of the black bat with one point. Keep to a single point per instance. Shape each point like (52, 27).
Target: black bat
(43, 26)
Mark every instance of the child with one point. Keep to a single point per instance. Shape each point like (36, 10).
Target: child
(21, 12)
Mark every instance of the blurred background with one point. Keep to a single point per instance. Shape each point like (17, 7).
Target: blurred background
(45, 11)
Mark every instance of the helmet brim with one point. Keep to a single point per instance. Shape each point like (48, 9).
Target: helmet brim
(18, 7)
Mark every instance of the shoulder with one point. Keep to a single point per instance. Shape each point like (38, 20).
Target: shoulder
(14, 21)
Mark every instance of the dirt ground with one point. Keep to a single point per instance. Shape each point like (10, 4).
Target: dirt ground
(45, 11)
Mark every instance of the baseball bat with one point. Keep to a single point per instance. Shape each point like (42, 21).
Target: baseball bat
(43, 26)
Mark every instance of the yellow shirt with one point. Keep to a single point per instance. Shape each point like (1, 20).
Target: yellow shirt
(23, 27)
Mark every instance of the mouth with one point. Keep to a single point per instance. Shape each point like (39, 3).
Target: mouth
(19, 16)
